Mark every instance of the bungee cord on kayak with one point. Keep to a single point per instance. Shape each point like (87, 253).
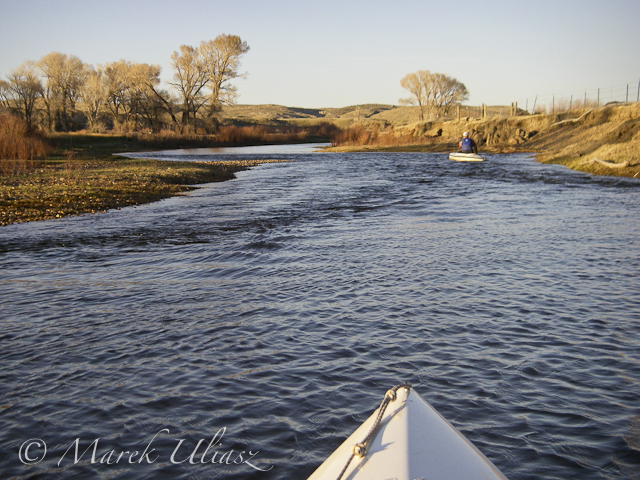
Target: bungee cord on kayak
(360, 449)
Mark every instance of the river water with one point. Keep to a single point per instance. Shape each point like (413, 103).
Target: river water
(266, 316)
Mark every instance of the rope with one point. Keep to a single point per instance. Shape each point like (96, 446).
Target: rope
(360, 449)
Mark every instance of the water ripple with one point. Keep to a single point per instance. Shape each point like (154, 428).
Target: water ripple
(280, 306)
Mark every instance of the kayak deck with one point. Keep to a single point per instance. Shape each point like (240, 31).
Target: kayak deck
(465, 157)
(411, 441)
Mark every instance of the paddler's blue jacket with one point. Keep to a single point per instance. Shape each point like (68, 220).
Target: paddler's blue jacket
(466, 145)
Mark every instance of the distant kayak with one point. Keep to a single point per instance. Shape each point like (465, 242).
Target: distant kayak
(406, 439)
(465, 157)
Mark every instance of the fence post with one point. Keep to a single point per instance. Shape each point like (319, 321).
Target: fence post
(570, 102)
(484, 110)
(458, 112)
(627, 100)
(598, 102)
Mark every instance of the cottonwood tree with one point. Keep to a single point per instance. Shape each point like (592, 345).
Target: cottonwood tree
(134, 96)
(222, 60)
(435, 93)
(64, 77)
(416, 84)
(190, 79)
(129, 93)
(117, 80)
(202, 76)
(148, 102)
(25, 87)
(93, 98)
(447, 92)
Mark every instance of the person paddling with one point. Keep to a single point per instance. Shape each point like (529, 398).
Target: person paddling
(467, 145)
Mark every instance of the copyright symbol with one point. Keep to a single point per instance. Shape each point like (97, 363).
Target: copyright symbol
(37, 453)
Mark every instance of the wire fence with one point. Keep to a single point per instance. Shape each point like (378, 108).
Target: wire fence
(552, 103)
(589, 97)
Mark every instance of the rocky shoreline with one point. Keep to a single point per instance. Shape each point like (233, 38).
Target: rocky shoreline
(95, 186)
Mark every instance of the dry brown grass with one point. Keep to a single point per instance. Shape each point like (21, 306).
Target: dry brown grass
(19, 149)
(373, 135)
(258, 133)
(264, 134)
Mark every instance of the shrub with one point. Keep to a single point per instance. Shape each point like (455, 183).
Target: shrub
(358, 135)
(233, 135)
(355, 135)
(19, 150)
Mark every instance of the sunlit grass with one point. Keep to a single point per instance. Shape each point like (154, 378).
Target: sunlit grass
(359, 135)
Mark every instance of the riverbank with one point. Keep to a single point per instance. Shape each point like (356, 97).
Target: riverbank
(601, 141)
(84, 175)
(80, 187)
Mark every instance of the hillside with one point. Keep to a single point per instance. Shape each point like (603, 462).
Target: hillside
(343, 117)
(604, 140)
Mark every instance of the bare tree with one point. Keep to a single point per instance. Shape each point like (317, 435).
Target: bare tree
(156, 101)
(64, 77)
(416, 84)
(134, 95)
(203, 76)
(26, 88)
(436, 93)
(93, 98)
(190, 79)
(222, 59)
(148, 101)
(446, 92)
(118, 87)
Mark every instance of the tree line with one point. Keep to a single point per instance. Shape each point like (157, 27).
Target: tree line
(59, 92)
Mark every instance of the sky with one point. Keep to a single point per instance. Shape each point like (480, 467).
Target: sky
(330, 53)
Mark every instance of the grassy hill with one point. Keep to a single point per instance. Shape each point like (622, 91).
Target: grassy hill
(343, 117)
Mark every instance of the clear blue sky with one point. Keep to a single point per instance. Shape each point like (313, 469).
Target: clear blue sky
(327, 53)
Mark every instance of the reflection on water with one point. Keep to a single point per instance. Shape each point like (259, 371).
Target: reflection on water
(212, 154)
(277, 309)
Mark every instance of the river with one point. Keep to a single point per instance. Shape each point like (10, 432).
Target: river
(265, 317)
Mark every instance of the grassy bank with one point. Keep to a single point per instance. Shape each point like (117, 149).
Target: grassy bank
(601, 141)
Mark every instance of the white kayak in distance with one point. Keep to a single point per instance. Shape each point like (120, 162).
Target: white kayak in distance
(466, 157)
(406, 439)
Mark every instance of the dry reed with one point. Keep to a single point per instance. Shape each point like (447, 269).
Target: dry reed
(358, 135)
(19, 149)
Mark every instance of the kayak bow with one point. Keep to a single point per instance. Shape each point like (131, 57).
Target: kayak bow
(406, 439)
